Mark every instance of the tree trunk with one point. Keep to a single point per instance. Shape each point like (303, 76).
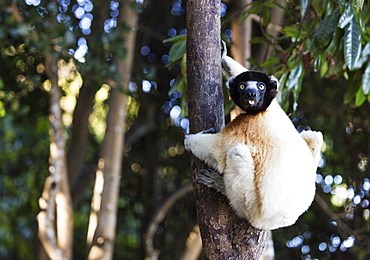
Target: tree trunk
(56, 216)
(79, 137)
(103, 217)
(224, 235)
(241, 48)
(276, 19)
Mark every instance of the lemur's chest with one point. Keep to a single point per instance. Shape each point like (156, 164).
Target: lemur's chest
(264, 134)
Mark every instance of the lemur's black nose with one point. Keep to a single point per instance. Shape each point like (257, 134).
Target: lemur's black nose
(251, 93)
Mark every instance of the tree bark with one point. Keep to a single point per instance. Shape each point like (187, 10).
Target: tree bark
(103, 217)
(224, 235)
(56, 216)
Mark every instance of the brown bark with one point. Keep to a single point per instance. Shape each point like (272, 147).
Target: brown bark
(55, 218)
(224, 235)
(103, 217)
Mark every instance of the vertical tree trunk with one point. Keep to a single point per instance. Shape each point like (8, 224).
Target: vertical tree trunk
(241, 48)
(224, 235)
(103, 217)
(276, 19)
(56, 217)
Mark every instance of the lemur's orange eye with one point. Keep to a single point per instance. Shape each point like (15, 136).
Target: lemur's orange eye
(241, 86)
(261, 86)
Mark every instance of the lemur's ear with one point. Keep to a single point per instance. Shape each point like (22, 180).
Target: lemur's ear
(274, 82)
(230, 81)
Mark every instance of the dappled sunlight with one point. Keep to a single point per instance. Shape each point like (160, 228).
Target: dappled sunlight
(97, 124)
(96, 202)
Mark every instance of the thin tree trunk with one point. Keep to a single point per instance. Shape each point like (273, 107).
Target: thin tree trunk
(224, 235)
(241, 48)
(56, 216)
(79, 137)
(276, 19)
(103, 217)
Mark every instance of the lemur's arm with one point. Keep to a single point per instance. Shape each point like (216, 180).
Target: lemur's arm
(207, 147)
(230, 67)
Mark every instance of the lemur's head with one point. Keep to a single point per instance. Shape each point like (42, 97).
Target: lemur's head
(253, 91)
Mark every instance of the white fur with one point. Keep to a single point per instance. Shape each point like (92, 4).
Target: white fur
(278, 192)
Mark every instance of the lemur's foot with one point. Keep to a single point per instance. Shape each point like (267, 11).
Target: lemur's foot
(314, 139)
(212, 179)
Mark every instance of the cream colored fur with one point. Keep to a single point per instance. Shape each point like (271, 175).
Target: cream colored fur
(268, 168)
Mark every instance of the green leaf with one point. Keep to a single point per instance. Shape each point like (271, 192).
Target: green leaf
(352, 86)
(177, 50)
(359, 5)
(319, 6)
(335, 42)
(304, 4)
(291, 30)
(295, 77)
(258, 40)
(270, 4)
(326, 29)
(179, 85)
(176, 38)
(365, 83)
(254, 9)
(266, 14)
(271, 61)
(365, 53)
(324, 66)
(352, 43)
(360, 98)
(346, 17)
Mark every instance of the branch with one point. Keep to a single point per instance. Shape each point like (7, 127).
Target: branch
(151, 252)
(343, 226)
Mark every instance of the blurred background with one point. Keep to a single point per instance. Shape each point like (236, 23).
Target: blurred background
(91, 60)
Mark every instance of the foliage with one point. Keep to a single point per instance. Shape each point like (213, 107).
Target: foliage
(331, 37)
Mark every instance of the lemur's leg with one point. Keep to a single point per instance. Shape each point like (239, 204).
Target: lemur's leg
(231, 68)
(212, 179)
(239, 181)
(314, 141)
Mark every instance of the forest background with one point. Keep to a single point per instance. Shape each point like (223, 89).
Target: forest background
(93, 111)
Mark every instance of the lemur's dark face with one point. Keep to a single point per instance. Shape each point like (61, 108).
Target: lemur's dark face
(253, 91)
